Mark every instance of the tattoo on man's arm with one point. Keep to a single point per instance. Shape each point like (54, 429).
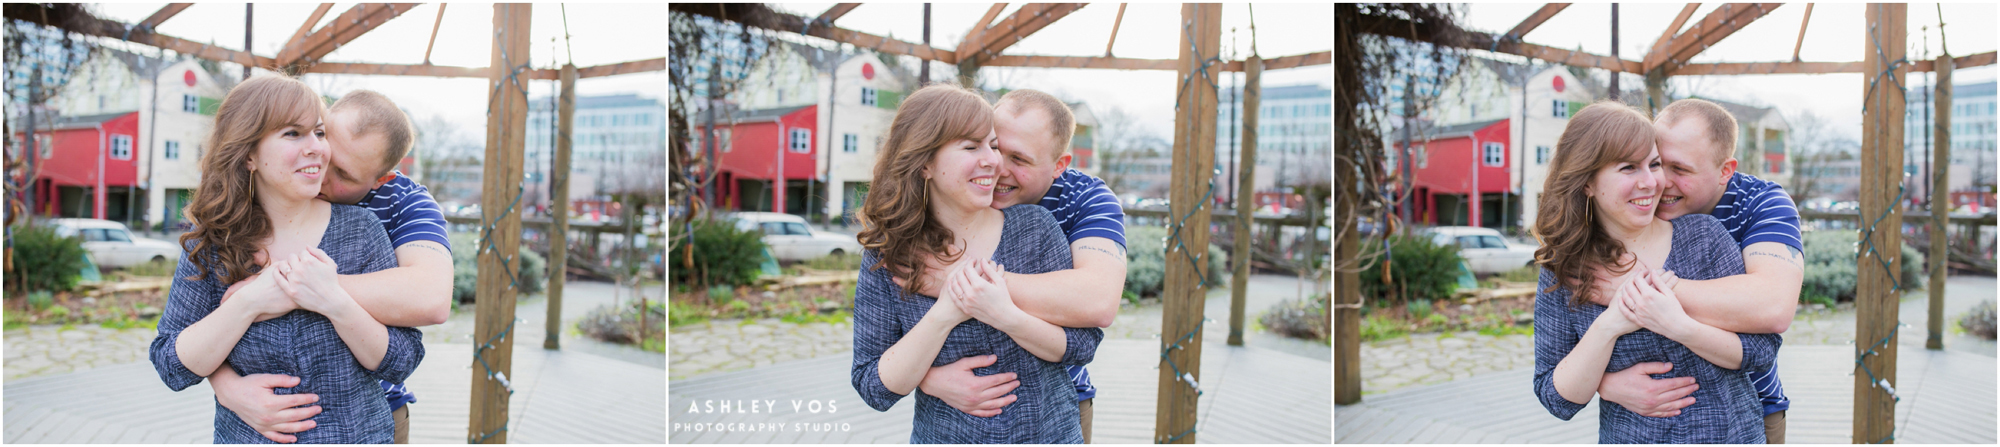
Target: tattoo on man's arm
(1793, 259)
(1100, 250)
(433, 248)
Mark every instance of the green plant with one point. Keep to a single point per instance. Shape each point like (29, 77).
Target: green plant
(721, 294)
(1377, 327)
(44, 260)
(1146, 261)
(1528, 274)
(1303, 319)
(1831, 258)
(681, 314)
(159, 269)
(40, 299)
(1815, 297)
(1423, 270)
(1420, 308)
(716, 253)
(465, 268)
(1979, 320)
(842, 262)
(1130, 298)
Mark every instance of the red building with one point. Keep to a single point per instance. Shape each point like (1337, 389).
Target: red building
(86, 163)
(1460, 165)
(749, 159)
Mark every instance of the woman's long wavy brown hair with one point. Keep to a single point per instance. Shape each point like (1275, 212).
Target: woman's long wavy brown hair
(229, 223)
(1573, 241)
(896, 219)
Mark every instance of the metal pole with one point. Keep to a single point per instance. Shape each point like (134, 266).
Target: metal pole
(924, 75)
(152, 124)
(1614, 50)
(833, 104)
(247, 9)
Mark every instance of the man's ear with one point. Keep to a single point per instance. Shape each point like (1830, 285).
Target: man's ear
(1062, 163)
(385, 178)
(1728, 170)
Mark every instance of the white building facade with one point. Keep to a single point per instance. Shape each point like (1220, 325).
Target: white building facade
(172, 136)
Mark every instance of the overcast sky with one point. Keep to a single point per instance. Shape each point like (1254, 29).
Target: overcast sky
(600, 34)
(1149, 31)
(1835, 34)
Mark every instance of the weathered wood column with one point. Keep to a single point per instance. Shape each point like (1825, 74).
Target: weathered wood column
(1246, 195)
(500, 235)
(559, 207)
(1940, 200)
(1876, 289)
(1187, 244)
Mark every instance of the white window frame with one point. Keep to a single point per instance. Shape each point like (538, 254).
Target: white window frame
(801, 141)
(121, 147)
(867, 96)
(190, 103)
(1541, 155)
(850, 143)
(1561, 109)
(1494, 154)
(172, 150)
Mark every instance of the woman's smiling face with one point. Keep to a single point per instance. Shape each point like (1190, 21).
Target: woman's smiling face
(290, 161)
(1627, 193)
(961, 173)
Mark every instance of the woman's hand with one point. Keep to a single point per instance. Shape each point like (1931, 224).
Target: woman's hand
(265, 300)
(981, 290)
(312, 279)
(946, 307)
(1651, 304)
(1616, 318)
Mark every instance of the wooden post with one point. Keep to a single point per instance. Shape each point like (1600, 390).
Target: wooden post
(1940, 200)
(1876, 302)
(559, 207)
(1656, 92)
(1246, 193)
(1187, 246)
(500, 241)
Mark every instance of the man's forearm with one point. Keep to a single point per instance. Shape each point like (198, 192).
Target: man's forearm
(1067, 298)
(1747, 304)
(415, 294)
(1720, 347)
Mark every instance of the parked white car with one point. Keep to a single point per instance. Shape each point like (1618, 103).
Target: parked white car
(113, 245)
(791, 239)
(1483, 248)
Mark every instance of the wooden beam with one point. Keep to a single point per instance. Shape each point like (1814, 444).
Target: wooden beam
(1659, 48)
(1030, 18)
(1293, 61)
(1879, 255)
(970, 44)
(792, 24)
(306, 28)
(166, 12)
(434, 33)
(1535, 20)
(834, 13)
(1719, 24)
(1403, 29)
(559, 207)
(1119, 63)
(1115, 22)
(132, 33)
(654, 64)
(1975, 60)
(345, 27)
(399, 70)
(506, 134)
(1802, 32)
(1755, 68)
(1187, 244)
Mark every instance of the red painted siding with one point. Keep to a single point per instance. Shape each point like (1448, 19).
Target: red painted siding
(74, 159)
(754, 149)
(1447, 169)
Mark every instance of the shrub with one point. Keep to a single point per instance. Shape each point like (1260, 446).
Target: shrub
(721, 254)
(620, 324)
(1979, 321)
(1831, 258)
(1303, 319)
(1420, 308)
(534, 269)
(1423, 269)
(44, 261)
(1146, 261)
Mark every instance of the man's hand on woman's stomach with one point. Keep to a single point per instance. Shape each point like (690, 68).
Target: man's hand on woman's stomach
(982, 396)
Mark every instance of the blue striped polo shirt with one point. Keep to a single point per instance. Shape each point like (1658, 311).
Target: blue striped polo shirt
(1756, 210)
(409, 214)
(1084, 207)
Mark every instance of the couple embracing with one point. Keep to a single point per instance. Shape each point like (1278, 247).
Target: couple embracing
(989, 269)
(1666, 277)
(309, 264)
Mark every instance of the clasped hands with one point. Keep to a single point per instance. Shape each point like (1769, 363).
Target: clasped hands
(306, 280)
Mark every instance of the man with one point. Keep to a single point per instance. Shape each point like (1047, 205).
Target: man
(366, 136)
(1697, 141)
(1034, 132)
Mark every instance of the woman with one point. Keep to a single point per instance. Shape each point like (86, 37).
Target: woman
(930, 205)
(1597, 214)
(255, 215)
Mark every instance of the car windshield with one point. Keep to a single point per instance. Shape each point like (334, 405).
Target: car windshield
(116, 235)
(772, 228)
(1492, 242)
(796, 228)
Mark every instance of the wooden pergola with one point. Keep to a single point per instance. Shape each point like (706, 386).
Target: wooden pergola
(500, 234)
(1194, 150)
(1884, 68)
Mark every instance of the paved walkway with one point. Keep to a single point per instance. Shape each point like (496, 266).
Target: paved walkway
(1251, 395)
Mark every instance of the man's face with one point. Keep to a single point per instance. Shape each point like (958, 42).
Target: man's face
(351, 162)
(1694, 181)
(1028, 164)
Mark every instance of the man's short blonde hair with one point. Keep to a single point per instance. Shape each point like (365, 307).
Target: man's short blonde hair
(1720, 125)
(1062, 123)
(377, 113)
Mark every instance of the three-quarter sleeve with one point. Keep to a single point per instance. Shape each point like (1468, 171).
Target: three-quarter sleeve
(1555, 337)
(188, 301)
(876, 327)
(1080, 346)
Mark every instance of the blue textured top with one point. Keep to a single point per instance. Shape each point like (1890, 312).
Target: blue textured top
(1045, 411)
(409, 214)
(1084, 207)
(301, 344)
(1757, 210)
(1726, 408)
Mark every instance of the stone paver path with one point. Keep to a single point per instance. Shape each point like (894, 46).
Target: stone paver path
(50, 349)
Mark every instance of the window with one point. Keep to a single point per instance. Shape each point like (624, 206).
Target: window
(173, 150)
(867, 96)
(1496, 154)
(798, 229)
(116, 235)
(1560, 110)
(802, 140)
(190, 104)
(848, 145)
(1541, 155)
(121, 147)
